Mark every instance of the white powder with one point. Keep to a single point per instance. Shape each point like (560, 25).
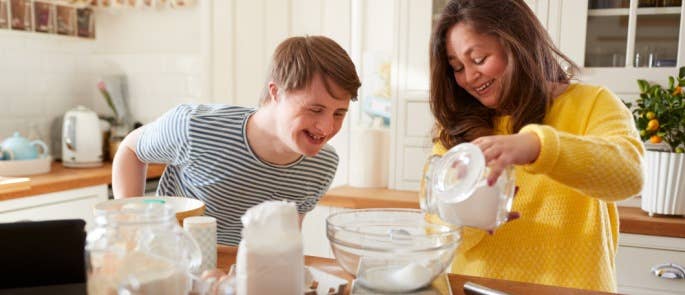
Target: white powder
(270, 255)
(480, 210)
(397, 279)
(140, 273)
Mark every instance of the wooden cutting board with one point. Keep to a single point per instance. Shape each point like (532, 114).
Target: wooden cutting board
(14, 184)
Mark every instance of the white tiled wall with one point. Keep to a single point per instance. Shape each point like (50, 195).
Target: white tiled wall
(40, 78)
(163, 54)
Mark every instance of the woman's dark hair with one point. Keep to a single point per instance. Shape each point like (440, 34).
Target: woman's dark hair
(533, 60)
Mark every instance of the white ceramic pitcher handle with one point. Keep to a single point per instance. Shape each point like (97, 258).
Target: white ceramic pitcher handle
(43, 146)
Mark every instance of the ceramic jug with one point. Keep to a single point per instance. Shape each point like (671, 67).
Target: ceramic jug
(455, 189)
(140, 249)
(18, 147)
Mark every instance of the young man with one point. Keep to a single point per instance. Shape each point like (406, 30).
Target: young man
(233, 158)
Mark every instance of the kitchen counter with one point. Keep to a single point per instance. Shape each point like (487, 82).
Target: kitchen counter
(632, 220)
(61, 178)
(226, 256)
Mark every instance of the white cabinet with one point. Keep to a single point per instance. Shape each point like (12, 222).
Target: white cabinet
(314, 231)
(617, 42)
(70, 204)
(638, 254)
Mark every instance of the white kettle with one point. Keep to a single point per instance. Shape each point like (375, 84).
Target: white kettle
(81, 138)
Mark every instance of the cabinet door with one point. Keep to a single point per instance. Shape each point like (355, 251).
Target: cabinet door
(638, 254)
(567, 25)
(314, 237)
(71, 204)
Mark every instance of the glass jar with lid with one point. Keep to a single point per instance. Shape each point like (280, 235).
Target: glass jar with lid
(140, 249)
(455, 189)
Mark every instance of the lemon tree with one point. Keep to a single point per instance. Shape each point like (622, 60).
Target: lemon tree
(660, 112)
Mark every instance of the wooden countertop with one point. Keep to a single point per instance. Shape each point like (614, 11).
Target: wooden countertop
(62, 178)
(632, 220)
(226, 256)
(14, 184)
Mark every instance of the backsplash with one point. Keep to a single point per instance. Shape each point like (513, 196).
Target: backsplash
(40, 78)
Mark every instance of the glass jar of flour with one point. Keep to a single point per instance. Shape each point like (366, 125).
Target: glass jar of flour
(455, 189)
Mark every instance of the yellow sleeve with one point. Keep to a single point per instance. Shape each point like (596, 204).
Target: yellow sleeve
(604, 161)
(438, 149)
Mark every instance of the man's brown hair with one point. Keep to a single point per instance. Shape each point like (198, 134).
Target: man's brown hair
(297, 59)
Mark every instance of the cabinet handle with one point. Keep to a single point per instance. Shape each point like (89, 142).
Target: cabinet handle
(670, 271)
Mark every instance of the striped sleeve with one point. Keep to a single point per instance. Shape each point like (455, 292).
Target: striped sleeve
(166, 139)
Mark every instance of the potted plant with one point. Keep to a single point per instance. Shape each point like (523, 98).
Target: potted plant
(660, 117)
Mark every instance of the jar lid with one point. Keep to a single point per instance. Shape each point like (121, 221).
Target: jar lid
(458, 173)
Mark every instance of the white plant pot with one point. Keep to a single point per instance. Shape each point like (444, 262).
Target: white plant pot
(664, 187)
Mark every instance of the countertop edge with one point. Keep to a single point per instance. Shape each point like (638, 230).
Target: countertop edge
(632, 220)
(61, 178)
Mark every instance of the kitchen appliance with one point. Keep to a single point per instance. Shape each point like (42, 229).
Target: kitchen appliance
(81, 138)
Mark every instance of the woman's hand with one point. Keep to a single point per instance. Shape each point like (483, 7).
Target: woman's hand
(502, 151)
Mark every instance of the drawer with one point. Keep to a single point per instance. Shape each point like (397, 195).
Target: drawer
(634, 276)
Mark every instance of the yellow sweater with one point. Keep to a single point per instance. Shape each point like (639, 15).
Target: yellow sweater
(568, 231)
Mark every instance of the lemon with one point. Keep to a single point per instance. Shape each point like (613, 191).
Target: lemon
(679, 150)
(650, 115)
(653, 125)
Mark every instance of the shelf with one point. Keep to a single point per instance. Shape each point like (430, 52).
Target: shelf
(658, 10)
(640, 11)
(608, 12)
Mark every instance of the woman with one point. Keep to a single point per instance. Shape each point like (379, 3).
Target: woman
(497, 81)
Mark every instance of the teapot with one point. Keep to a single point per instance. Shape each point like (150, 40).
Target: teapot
(140, 249)
(18, 147)
(455, 189)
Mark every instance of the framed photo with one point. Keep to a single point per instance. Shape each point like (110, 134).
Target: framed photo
(21, 15)
(66, 20)
(4, 17)
(85, 23)
(43, 17)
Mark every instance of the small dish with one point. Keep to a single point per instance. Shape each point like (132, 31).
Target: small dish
(25, 167)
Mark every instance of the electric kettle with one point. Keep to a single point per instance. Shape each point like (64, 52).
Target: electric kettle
(81, 138)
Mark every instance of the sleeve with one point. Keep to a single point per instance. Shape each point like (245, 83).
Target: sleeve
(605, 162)
(166, 139)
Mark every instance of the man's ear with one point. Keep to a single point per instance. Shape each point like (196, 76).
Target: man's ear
(273, 91)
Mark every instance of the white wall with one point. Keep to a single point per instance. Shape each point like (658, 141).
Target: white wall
(164, 54)
(41, 77)
(212, 52)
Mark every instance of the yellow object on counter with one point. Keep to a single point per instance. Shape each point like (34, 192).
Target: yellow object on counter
(568, 231)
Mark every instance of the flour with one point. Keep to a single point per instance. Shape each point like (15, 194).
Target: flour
(270, 255)
(140, 273)
(397, 279)
(480, 210)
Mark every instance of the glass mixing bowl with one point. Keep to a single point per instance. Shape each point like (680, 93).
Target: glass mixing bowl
(391, 250)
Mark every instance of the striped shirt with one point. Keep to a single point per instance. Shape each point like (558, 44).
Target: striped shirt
(208, 158)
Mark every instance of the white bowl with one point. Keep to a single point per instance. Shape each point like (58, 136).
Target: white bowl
(25, 167)
(391, 250)
(183, 207)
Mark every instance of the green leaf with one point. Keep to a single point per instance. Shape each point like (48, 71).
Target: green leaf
(644, 85)
(681, 73)
(671, 81)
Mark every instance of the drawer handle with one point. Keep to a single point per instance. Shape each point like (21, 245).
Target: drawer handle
(670, 271)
